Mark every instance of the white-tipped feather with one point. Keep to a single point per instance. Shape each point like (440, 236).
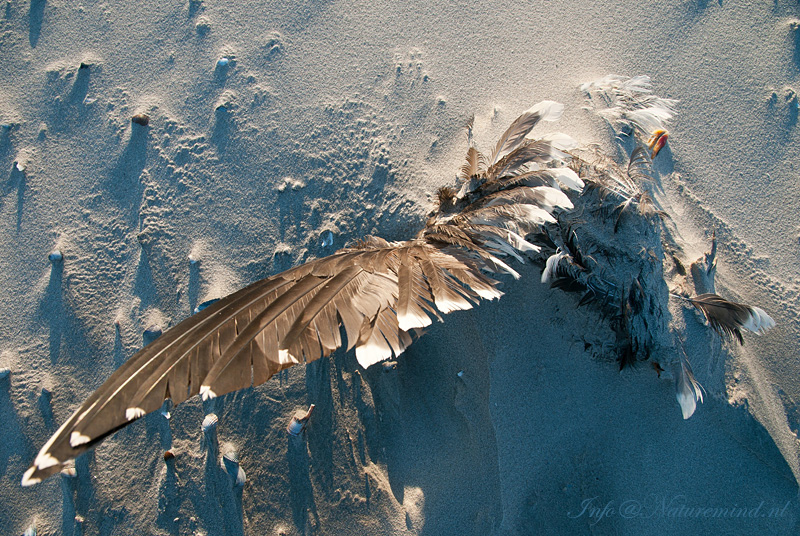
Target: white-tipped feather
(505, 267)
(413, 320)
(759, 322)
(561, 141)
(552, 198)
(551, 264)
(548, 110)
(77, 438)
(520, 243)
(688, 391)
(568, 178)
(45, 460)
(28, 479)
(132, 414)
(206, 393)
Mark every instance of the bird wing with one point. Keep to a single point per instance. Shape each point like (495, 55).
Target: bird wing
(376, 292)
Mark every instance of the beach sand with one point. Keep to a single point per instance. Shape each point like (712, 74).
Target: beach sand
(346, 117)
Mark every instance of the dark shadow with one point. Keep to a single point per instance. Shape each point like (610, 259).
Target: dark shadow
(80, 87)
(169, 500)
(125, 177)
(52, 309)
(119, 349)
(194, 285)
(144, 286)
(386, 440)
(320, 445)
(46, 409)
(20, 197)
(433, 422)
(220, 135)
(301, 491)
(16, 181)
(85, 496)
(35, 17)
(194, 7)
(210, 510)
(231, 502)
(14, 442)
(68, 512)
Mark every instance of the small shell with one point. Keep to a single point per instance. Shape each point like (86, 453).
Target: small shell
(69, 472)
(223, 63)
(210, 423)
(204, 305)
(327, 239)
(168, 455)
(140, 119)
(231, 457)
(151, 334)
(55, 256)
(230, 464)
(299, 421)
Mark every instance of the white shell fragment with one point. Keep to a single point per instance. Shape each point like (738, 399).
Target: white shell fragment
(210, 423)
(223, 62)
(69, 472)
(151, 334)
(230, 464)
(210, 431)
(299, 421)
(326, 239)
(204, 305)
(55, 256)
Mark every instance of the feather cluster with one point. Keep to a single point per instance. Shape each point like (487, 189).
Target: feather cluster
(629, 103)
(370, 297)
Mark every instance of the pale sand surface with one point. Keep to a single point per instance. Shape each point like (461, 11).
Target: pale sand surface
(346, 116)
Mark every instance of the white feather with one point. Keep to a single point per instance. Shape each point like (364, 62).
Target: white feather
(130, 414)
(551, 264)
(76, 438)
(560, 141)
(687, 390)
(568, 178)
(552, 198)
(759, 321)
(548, 110)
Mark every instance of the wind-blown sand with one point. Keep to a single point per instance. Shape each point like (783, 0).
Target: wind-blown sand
(346, 117)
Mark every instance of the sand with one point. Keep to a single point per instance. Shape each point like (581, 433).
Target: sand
(346, 117)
